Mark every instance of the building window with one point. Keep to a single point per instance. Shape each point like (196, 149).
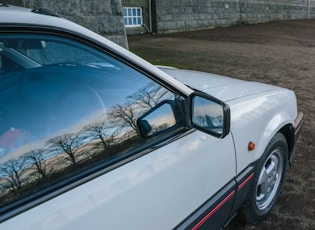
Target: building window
(132, 16)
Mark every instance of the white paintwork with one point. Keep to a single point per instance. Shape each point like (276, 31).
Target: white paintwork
(258, 118)
(221, 87)
(258, 111)
(156, 191)
(160, 189)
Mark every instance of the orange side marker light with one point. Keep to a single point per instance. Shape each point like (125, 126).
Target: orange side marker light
(251, 146)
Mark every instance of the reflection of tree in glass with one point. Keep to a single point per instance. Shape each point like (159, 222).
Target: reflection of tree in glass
(162, 127)
(149, 96)
(144, 99)
(39, 169)
(68, 144)
(207, 121)
(104, 133)
(124, 116)
(12, 172)
(204, 121)
(36, 158)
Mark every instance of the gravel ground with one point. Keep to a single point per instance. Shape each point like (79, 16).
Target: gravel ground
(279, 53)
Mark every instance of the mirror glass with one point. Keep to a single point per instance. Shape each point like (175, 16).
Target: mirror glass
(208, 115)
(157, 120)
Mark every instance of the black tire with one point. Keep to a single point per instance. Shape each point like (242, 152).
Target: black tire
(268, 180)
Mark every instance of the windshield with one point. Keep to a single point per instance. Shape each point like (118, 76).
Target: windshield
(31, 52)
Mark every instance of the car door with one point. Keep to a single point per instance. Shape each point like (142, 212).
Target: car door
(74, 156)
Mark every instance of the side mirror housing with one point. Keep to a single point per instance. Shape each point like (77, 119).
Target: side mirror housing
(204, 113)
(209, 114)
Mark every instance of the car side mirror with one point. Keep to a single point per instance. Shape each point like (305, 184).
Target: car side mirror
(157, 120)
(209, 114)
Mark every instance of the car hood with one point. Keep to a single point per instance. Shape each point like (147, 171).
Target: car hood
(221, 87)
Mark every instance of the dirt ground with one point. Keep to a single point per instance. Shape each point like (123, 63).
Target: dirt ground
(279, 53)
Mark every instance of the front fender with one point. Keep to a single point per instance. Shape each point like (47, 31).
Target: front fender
(257, 119)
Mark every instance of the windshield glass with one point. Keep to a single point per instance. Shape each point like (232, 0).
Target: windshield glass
(31, 51)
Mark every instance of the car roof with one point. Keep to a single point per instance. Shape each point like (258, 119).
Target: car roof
(14, 15)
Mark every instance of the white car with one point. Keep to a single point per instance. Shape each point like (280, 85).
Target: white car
(94, 137)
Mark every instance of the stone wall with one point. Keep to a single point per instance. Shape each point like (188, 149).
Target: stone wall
(104, 17)
(178, 15)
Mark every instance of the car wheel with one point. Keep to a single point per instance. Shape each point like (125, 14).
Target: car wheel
(268, 180)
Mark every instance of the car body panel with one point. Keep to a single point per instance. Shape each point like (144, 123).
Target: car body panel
(222, 87)
(254, 106)
(268, 114)
(150, 188)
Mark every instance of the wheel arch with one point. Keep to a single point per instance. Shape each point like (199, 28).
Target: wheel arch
(288, 132)
(261, 134)
(281, 123)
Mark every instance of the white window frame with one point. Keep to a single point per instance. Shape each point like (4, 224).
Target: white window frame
(132, 16)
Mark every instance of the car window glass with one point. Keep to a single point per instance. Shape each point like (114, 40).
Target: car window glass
(66, 111)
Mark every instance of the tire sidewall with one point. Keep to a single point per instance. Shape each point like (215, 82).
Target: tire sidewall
(251, 212)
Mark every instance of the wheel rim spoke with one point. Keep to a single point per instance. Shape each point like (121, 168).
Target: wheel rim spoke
(269, 179)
